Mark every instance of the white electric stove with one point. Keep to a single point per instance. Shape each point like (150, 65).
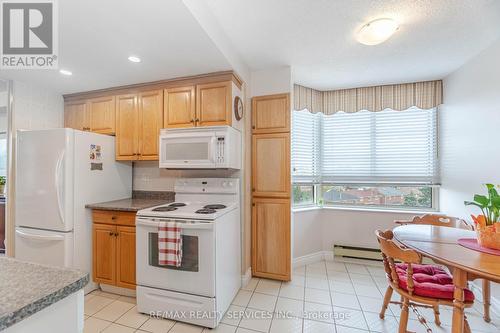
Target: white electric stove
(202, 288)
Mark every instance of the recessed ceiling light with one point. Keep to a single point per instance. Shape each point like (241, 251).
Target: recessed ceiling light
(65, 72)
(134, 59)
(377, 31)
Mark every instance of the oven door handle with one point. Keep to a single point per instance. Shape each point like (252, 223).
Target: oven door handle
(185, 225)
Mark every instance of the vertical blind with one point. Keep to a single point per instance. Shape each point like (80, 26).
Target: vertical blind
(398, 147)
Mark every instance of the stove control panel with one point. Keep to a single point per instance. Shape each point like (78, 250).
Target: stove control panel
(207, 185)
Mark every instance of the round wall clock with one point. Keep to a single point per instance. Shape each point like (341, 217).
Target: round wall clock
(238, 108)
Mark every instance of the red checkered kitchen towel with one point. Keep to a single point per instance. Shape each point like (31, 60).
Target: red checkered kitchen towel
(169, 244)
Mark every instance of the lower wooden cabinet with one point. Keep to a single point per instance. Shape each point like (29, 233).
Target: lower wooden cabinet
(114, 249)
(271, 240)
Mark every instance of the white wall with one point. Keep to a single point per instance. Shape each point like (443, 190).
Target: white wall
(469, 129)
(319, 229)
(271, 81)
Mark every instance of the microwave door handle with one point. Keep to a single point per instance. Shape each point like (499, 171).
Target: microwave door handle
(213, 150)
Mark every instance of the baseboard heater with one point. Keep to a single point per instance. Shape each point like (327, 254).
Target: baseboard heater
(357, 252)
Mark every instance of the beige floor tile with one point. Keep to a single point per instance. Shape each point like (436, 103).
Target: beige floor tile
(255, 320)
(262, 302)
(289, 307)
(342, 286)
(132, 318)
(292, 291)
(115, 328)
(319, 312)
(350, 318)
(95, 304)
(244, 330)
(345, 300)
(311, 326)
(269, 287)
(317, 296)
(94, 325)
(157, 325)
(221, 328)
(242, 298)
(233, 315)
(105, 294)
(131, 300)
(343, 329)
(358, 269)
(113, 311)
(369, 304)
(185, 328)
(288, 325)
(387, 325)
(317, 283)
(251, 285)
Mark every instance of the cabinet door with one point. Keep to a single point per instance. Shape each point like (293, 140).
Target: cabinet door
(104, 254)
(76, 116)
(271, 114)
(127, 127)
(151, 121)
(125, 257)
(271, 245)
(213, 104)
(271, 165)
(179, 104)
(102, 115)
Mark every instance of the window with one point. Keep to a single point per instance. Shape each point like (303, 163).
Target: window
(381, 159)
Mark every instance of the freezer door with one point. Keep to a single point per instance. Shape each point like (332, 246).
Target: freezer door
(44, 179)
(44, 247)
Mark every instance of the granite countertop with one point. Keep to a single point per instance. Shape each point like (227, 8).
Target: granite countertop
(26, 288)
(140, 200)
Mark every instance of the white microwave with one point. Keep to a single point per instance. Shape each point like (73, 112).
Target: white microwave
(214, 147)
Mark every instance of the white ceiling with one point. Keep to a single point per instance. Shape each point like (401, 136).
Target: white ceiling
(314, 37)
(96, 37)
(317, 37)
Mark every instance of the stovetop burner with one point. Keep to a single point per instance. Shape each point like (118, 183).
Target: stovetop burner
(205, 211)
(177, 204)
(164, 209)
(215, 206)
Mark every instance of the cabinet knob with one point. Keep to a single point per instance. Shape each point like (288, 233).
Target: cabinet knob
(116, 234)
(197, 120)
(192, 120)
(113, 217)
(253, 127)
(253, 205)
(111, 233)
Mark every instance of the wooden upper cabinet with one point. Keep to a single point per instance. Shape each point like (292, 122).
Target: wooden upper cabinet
(125, 257)
(104, 253)
(180, 107)
(271, 165)
(271, 114)
(151, 121)
(77, 115)
(271, 244)
(213, 104)
(127, 125)
(102, 114)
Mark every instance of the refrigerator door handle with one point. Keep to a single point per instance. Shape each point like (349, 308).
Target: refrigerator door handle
(59, 183)
(39, 237)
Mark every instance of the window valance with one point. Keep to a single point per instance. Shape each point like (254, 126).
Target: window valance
(423, 95)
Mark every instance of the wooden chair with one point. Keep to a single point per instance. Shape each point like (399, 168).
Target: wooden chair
(392, 252)
(453, 222)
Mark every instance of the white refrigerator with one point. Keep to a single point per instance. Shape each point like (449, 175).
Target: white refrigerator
(58, 172)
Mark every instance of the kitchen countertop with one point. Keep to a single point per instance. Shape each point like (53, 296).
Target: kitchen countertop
(26, 288)
(129, 205)
(140, 200)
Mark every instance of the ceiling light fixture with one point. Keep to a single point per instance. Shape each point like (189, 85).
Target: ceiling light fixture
(134, 59)
(65, 72)
(377, 31)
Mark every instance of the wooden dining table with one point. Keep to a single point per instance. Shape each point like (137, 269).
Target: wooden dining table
(441, 245)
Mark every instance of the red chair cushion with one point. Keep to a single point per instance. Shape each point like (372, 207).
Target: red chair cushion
(430, 281)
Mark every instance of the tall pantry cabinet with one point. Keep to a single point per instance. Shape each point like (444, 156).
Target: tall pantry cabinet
(271, 229)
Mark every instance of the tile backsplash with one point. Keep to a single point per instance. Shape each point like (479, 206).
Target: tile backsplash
(149, 177)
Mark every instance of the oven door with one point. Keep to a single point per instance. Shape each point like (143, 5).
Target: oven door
(195, 276)
(188, 150)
